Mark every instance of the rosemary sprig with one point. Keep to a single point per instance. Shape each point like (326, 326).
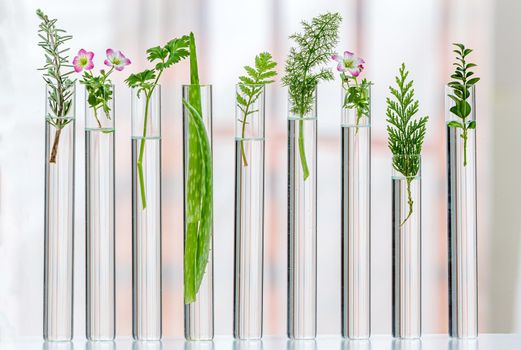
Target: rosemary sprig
(146, 81)
(56, 76)
(314, 48)
(251, 86)
(461, 84)
(405, 134)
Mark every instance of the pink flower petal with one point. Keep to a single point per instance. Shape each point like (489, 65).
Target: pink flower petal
(119, 68)
(75, 60)
(335, 57)
(109, 52)
(107, 63)
(348, 54)
(89, 65)
(354, 72)
(77, 69)
(340, 67)
(127, 61)
(82, 52)
(90, 55)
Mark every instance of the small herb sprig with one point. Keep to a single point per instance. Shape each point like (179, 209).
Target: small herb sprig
(405, 134)
(56, 76)
(314, 48)
(251, 86)
(146, 81)
(356, 94)
(99, 88)
(461, 84)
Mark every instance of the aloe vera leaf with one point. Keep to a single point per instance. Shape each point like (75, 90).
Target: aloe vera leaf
(194, 92)
(199, 204)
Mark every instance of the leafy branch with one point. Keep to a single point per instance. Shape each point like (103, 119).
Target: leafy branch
(357, 97)
(303, 72)
(56, 76)
(99, 90)
(405, 134)
(146, 81)
(251, 87)
(461, 84)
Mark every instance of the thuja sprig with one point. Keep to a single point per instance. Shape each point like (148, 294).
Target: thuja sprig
(56, 76)
(461, 84)
(356, 94)
(251, 87)
(405, 134)
(99, 88)
(146, 81)
(303, 68)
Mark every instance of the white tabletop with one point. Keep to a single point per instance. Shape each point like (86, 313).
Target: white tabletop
(428, 342)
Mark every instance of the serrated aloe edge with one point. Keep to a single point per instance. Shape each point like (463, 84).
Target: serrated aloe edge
(199, 188)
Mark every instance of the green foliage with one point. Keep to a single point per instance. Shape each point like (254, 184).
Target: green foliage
(163, 57)
(251, 87)
(199, 188)
(56, 76)
(405, 134)
(461, 83)
(57, 69)
(99, 90)
(147, 80)
(303, 72)
(357, 97)
(314, 48)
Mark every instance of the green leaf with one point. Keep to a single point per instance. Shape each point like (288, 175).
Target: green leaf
(199, 204)
(454, 124)
(471, 124)
(156, 53)
(472, 81)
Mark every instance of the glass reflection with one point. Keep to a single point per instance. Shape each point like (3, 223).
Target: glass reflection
(301, 344)
(66, 345)
(100, 345)
(199, 345)
(352, 344)
(147, 345)
(407, 344)
(247, 345)
(463, 344)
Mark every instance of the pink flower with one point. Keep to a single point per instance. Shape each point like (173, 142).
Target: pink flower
(349, 63)
(116, 59)
(83, 61)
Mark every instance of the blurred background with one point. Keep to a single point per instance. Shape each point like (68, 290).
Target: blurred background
(229, 34)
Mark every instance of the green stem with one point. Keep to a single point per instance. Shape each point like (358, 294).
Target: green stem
(244, 130)
(464, 135)
(96, 116)
(142, 153)
(148, 95)
(409, 200)
(302, 150)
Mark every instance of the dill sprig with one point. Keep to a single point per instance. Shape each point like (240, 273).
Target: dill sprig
(405, 134)
(251, 87)
(303, 72)
(461, 84)
(56, 76)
